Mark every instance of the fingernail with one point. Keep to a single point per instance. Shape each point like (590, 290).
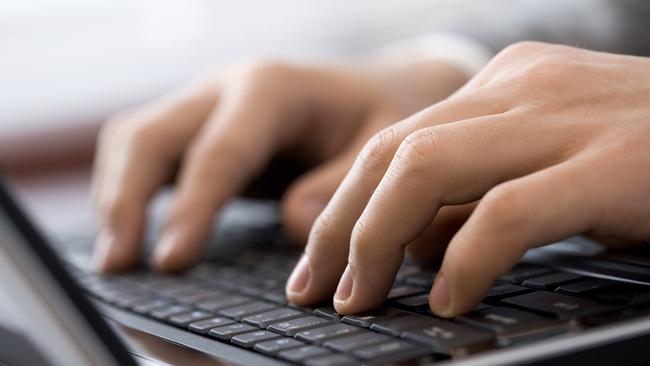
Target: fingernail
(165, 247)
(300, 276)
(101, 254)
(439, 299)
(344, 290)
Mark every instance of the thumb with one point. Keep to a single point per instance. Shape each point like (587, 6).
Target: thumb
(308, 195)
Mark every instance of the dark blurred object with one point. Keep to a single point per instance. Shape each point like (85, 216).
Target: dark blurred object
(48, 151)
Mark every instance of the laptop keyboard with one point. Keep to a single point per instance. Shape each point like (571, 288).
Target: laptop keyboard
(241, 302)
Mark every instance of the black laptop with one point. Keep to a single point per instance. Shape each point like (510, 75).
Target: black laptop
(570, 303)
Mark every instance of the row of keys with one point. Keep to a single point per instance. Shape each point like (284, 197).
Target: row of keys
(253, 314)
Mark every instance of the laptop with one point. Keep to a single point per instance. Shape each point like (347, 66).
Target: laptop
(566, 304)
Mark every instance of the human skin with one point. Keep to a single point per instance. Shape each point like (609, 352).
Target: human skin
(547, 141)
(225, 127)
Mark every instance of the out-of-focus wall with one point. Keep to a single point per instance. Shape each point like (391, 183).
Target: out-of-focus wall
(73, 62)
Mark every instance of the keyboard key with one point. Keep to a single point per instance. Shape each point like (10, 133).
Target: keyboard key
(348, 343)
(256, 287)
(417, 301)
(167, 311)
(558, 305)
(188, 293)
(584, 287)
(403, 291)
(397, 324)
(534, 334)
(289, 328)
(199, 295)
(327, 312)
(128, 300)
(277, 345)
(146, 306)
(320, 335)
(248, 340)
(276, 296)
(523, 272)
(499, 292)
(551, 281)
(501, 319)
(241, 311)
(332, 360)
(301, 353)
(623, 294)
(450, 338)
(423, 279)
(226, 332)
(395, 350)
(263, 320)
(183, 320)
(204, 326)
(221, 303)
(365, 320)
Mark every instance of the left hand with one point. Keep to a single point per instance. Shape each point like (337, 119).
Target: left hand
(549, 141)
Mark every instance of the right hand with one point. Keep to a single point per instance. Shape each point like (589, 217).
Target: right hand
(225, 128)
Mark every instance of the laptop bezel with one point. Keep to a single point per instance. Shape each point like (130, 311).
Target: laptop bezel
(52, 265)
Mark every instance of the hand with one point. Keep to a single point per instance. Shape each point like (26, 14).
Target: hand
(547, 142)
(225, 128)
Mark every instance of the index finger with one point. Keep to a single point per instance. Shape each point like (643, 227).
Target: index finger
(327, 249)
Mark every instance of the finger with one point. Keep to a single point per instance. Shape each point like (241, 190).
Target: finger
(429, 246)
(537, 209)
(306, 197)
(327, 249)
(443, 165)
(239, 139)
(135, 156)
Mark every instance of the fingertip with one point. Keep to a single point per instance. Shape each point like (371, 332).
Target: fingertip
(298, 281)
(101, 254)
(176, 251)
(439, 298)
(344, 291)
(312, 281)
(164, 258)
(111, 255)
(357, 293)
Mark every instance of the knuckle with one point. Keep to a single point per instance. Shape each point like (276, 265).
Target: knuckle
(504, 206)
(417, 148)
(552, 69)
(522, 48)
(260, 72)
(377, 152)
(423, 149)
(544, 63)
(517, 51)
